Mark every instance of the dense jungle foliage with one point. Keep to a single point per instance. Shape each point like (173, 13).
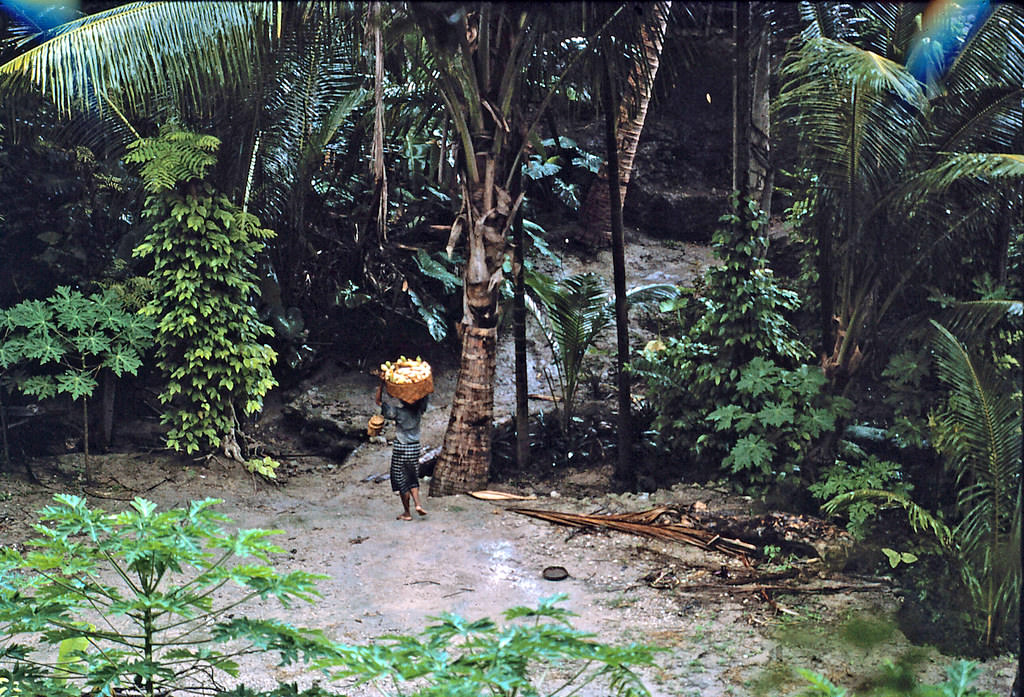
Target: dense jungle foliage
(282, 184)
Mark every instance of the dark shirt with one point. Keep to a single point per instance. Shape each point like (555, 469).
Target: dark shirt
(406, 417)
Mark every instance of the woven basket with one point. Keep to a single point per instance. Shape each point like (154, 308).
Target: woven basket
(375, 425)
(411, 392)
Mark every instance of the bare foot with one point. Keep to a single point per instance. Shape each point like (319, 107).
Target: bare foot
(420, 510)
(404, 516)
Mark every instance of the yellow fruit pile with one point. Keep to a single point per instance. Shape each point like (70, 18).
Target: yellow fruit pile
(405, 371)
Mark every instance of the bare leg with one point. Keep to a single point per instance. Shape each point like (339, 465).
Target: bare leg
(405, 504)
(415, 491)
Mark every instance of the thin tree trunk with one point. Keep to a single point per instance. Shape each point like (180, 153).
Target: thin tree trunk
(741, 88)
(519, 331)
(465, 458)
(759, 170)
(109, 392)
(85, 442)
(624, 471)
(3, 432)
(595, 214)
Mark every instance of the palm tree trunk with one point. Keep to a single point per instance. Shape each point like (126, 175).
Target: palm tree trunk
(595, 214)
(465, 458)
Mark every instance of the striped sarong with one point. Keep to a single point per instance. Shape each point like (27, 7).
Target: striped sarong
(405, 458)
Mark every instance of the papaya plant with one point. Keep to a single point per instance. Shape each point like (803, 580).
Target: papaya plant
(203, 249)
(61, 344)
(137, 602)
(456, 656)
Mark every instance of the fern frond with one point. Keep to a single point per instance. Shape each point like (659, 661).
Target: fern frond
(918, 517)
(176, 156)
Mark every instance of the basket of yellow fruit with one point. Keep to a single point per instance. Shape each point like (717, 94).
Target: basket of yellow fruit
(408, 379)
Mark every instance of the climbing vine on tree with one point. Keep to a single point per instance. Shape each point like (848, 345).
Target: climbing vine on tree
(203, 249)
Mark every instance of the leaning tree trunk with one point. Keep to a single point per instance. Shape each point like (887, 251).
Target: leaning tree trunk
(595, 215)
(487, 212)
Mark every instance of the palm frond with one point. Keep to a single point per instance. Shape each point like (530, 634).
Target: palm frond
(971, 319)
(988, 169)
(981, 438)
(829, 20)
(653, 293)
(993, 55)
(857, 119)
(131, 52)
(985, 120)
(980, 435)
(313, 89)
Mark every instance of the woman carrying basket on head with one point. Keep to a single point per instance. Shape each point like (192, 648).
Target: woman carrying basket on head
(405, 454)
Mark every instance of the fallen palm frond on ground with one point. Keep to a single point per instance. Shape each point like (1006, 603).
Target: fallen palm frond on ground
(645, 523)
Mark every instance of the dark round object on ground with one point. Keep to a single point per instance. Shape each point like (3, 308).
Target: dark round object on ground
(555, 573)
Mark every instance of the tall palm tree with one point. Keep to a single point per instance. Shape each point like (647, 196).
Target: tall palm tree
(903, 167)
(483, 58)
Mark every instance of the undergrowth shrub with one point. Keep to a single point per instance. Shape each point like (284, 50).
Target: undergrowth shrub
(854, 470)
(731, 390)
(960, 677)
(204, 251)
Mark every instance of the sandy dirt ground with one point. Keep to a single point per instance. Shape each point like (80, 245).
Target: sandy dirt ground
(477, 558)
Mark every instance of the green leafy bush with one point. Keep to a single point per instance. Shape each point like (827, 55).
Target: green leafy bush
(203, 249)
(854, 470)
(731, 389)
(133, 600)
(542, 656)
(61, 344)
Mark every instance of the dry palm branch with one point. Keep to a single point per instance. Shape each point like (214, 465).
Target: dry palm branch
(645, 523)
